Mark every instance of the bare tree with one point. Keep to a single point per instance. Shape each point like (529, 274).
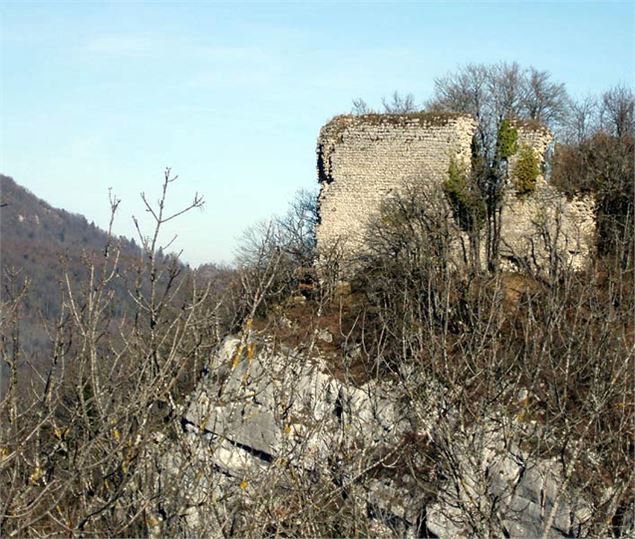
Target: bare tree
(399, 104)
(274, 256)
(360, 107)
(75, 435)
(396, 104)
(467, 91)
(506, 84)
(616, 111)
(581, 121)
(542, 99)
(494, 95)
(297, 227)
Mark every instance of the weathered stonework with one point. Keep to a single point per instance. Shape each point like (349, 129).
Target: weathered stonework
(531, 134)
(363, 160)
(543, 230)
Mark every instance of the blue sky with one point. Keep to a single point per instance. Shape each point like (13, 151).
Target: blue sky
(232, 95)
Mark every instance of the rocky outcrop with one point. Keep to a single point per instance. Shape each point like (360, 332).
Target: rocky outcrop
(267, 430)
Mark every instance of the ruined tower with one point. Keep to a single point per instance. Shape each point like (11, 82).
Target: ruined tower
(363, 160)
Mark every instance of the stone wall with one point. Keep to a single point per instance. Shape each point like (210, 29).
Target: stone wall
(362, 160)
(543, 231)
(534, 135)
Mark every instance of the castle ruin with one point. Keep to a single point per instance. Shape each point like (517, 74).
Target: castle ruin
(364, 160)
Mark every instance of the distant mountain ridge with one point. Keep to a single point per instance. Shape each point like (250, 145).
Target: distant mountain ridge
(26, 217)
(40, 243)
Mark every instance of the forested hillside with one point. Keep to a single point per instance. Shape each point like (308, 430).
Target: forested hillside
(41, 244)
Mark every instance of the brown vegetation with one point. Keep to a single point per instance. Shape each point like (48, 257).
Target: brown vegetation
(489, 368)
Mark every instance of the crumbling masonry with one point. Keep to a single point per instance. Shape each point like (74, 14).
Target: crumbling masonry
(363, 160)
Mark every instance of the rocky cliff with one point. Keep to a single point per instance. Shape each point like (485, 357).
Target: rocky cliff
(267, 430)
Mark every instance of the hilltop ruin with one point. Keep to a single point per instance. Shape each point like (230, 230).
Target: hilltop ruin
(363, 160)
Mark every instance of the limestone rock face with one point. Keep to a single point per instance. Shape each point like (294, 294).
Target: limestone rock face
(266, 423)
(266, 400)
